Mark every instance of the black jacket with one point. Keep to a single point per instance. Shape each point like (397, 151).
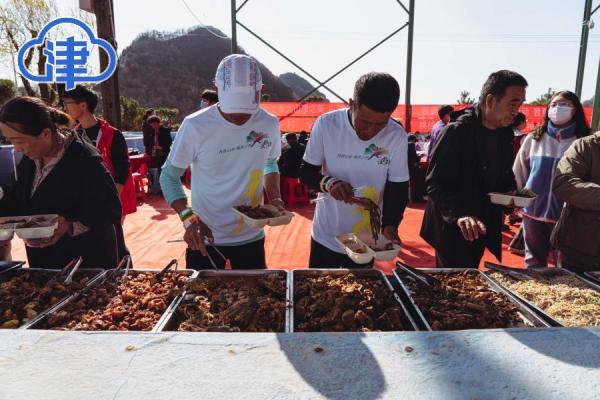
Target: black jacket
(291, 159)
(79, 188)
(459, 180)
(164, 139)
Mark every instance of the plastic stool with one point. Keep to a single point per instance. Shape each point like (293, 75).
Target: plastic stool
(294, 190)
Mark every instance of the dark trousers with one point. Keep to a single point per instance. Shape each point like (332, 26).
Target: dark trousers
(246, 256)
(467, 255)
(122, 249)
(322, 257)
(537, 242)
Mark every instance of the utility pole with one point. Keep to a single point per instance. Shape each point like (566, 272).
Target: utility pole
(110, 87)
(596, 106)
(409, 51)
(585, 30)
(233, 27)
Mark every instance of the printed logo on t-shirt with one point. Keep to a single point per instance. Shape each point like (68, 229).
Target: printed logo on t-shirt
(372, 151)
(258, 140)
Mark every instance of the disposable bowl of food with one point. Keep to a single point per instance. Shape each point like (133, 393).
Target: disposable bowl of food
(381, 248)
(511, 200)
(361, 257)
(281, 218)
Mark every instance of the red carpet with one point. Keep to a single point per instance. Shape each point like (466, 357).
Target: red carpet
(148, 230)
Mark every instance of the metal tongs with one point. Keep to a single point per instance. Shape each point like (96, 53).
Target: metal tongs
(158, 276)
(420, 276)
(72, 265)
(509, 271)
(125, 262)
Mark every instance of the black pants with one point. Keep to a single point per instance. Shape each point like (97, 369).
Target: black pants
(322, 257)
(247, 256)
(122, 249)
(467, 255)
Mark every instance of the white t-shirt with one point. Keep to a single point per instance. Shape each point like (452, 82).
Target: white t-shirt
(335, 145)
(227, 163)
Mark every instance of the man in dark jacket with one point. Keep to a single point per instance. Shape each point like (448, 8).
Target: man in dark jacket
(471, 158)
(291, 157)
(157, 141)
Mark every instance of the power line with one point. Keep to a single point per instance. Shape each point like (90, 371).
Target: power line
(202, 25)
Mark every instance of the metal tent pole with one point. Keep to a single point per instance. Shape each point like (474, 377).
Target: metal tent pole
(585, 30)
(409, 51)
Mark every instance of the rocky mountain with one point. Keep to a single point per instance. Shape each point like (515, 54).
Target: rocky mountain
(171, 69)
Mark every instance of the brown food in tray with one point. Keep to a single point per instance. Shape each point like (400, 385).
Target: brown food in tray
(28, 293)
(235, 304)
(331, 303)
(134, 302)
(256, 212)
(464, 300)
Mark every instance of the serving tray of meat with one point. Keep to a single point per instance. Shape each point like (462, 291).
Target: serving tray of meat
(119, 300)
(258, 217)
(232, 301)
(28, 227)
(346, 300)
(27, 293)
(559, 296)
(463, 298)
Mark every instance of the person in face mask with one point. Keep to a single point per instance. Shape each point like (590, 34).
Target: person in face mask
(535, 166)
(208, 98)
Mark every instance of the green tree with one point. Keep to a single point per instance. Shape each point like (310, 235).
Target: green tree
(166, 113)
(131, 114)
(7, 90)
(465, 99)
(544, 99)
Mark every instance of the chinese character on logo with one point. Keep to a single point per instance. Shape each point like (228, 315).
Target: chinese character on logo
(67, 60)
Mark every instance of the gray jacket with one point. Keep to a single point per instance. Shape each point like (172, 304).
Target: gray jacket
(577, 183)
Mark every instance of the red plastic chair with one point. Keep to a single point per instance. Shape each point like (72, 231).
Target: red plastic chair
(294, 191)
(140, 181)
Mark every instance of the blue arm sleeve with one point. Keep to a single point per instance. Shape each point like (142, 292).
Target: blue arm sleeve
(270, 167)
(170, 182)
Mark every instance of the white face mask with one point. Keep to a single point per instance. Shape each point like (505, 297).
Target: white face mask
(560, 115)
(203, 104)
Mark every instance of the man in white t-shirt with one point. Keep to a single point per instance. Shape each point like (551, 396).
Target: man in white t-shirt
(356, 152)
(232, 148)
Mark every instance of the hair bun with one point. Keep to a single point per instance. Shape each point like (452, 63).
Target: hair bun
(59, 118)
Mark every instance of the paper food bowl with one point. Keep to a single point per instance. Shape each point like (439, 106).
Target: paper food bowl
(383, 255)
(283, 218)
(358, 257)
(511, 200)
(45, 229)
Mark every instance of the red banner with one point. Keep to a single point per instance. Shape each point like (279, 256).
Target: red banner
(297, 117)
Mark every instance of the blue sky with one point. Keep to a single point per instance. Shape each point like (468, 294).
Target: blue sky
(457, 43)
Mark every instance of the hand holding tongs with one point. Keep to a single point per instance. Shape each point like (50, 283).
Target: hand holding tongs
(158, 276)
(73, 265)
(212, 263)
(420, 276)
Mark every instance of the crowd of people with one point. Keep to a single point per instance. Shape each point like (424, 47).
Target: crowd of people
(76, 166)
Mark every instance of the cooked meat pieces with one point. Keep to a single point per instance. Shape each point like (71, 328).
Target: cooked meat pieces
(565, 298)
(463, 300)
(132, 303)
(256, 212)
(234, 304)
(28, 293)
(334, 303)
